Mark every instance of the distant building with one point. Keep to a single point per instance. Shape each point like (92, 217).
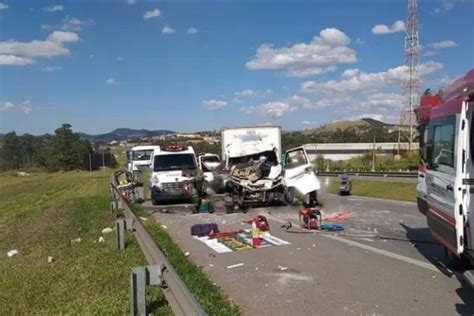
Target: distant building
(345, 151)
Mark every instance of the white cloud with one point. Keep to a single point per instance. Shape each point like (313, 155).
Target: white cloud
(25, 107)
(17, 53)
(359, 41)
(253, 93)
(52, 68)
(354, 80)
(111, 81)
(46, 27)
(397, 26)
(321, 55)
(273, 109)
(131, 1)
(443, 44)
(168, 30)
(214, 104)
(11, 60)
(152, 14)
(192, 30)
(382, 101)
(5, 106)
(75, 24)
(306, 123)
(53, 8)
(429, 53)
(446, 6)
(3, 6)
(63, 37)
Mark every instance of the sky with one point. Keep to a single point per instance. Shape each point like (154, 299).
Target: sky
(203, 65)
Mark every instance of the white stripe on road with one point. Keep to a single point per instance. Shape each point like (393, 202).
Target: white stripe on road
(385, 253)
(389, 254)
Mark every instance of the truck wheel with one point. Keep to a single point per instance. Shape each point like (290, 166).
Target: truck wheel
(289, 195)
(154, 202)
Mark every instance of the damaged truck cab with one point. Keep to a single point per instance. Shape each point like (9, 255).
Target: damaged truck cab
(257, 176)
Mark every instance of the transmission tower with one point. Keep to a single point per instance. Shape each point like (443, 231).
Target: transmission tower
(411, 81)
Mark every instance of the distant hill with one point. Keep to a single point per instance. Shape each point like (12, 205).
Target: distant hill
(357, 125)
(124, 133)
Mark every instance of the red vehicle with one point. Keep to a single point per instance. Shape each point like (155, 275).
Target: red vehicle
(446, 177)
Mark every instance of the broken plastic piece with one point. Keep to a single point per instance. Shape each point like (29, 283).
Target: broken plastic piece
(12, 253)
(107, 230)
(235, 265)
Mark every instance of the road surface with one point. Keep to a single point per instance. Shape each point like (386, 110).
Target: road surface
(383, 263)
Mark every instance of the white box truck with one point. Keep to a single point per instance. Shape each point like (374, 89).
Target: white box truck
(257, 175)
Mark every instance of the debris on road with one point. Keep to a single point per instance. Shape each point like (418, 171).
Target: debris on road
(164, 226)
(50, 259)
(337, 217)
(235, 265)
(12, 253)
(77, 240)
(187, 253)
(282, 268)
(107, 230)
(202, 230)
(332, 227)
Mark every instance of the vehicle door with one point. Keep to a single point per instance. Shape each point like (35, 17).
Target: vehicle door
(440, 180)
(464, 177)
(299, 172)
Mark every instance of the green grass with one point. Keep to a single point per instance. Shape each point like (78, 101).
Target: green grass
(401, 191)
(208, 295)
(39, 216)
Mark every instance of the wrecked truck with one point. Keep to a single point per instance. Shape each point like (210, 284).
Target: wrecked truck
(258, 174)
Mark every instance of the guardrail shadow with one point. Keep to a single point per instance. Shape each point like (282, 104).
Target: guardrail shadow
(435, 253)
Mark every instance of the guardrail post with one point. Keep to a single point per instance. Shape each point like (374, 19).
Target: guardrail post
(122, 224)
(140, 277)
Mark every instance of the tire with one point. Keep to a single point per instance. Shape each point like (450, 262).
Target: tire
(289, 195)
(155, 202)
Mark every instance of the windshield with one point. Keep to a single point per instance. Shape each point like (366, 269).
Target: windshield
(210, 159)
(142, 154)
(270, 156)
(174, 162)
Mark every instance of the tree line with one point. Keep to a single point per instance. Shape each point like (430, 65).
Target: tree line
(64, 150)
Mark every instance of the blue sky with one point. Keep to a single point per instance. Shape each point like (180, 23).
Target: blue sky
(199, 65)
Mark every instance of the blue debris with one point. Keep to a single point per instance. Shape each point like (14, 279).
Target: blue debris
(332, 227)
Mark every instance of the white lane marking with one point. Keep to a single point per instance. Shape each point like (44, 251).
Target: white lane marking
(389, 254)
(386, 253)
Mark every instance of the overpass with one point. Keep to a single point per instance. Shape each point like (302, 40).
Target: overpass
(345, 151)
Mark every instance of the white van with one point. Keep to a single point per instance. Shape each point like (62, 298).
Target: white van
(446, 186)
(139, 157)
(174, 171)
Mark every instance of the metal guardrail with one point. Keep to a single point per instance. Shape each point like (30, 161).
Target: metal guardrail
(371, 174)
(179, 297)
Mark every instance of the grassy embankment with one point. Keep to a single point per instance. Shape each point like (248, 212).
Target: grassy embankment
(401, 191)
(39, 216)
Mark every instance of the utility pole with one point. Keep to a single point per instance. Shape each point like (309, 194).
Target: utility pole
(411, 80)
